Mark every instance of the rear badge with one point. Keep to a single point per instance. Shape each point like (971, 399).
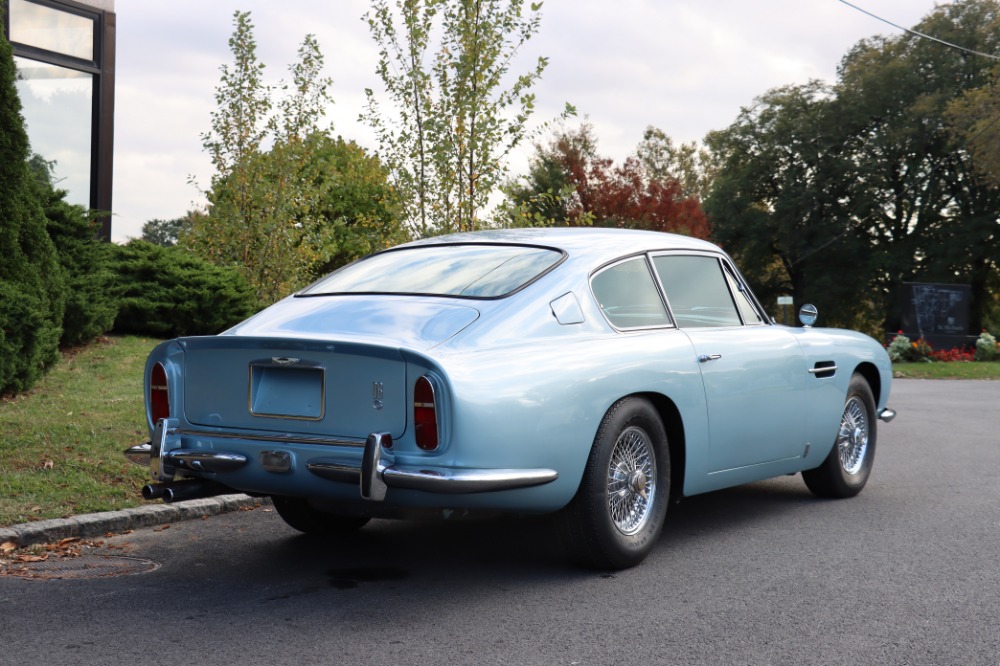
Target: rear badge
(284, 360)
(377, 396)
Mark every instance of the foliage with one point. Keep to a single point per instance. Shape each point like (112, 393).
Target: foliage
(570, 183)
(986, 347)
(32, 293)
(169, 292)
(689, 164)
(776, 202)
(357, 211)
(911, 184)
(261, 206)
(167, 233)
(455, 110)
(947, 370)
(91, 294)
(853, 190)
(61, 442)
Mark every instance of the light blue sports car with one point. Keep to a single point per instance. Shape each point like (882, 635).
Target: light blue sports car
(598, 373)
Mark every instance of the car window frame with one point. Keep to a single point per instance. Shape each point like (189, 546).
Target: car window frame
(645, 258)
(563, 256)
(729, 274)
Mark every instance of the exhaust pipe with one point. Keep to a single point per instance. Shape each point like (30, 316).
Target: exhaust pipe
(178, 491)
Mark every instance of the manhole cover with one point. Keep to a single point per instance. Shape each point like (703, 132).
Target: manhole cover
(84, 566)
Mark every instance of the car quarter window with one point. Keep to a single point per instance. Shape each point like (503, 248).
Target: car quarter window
(696, 290)
(628, 296)
(742, 295)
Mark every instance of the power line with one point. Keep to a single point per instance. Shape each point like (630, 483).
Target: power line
(920, 34)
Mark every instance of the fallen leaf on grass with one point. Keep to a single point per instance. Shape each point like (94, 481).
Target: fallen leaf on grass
(8, 547)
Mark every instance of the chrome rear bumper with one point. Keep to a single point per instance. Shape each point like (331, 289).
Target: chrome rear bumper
(887, 415)
(374, 477)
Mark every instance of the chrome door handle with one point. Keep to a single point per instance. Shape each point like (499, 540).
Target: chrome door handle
(705, 358)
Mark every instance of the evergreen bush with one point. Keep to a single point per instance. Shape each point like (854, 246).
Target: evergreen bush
(91, 299)
(167, 292)
(32, 294)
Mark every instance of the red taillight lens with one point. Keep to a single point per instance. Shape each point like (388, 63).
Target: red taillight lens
(159, 397)
(425, 415)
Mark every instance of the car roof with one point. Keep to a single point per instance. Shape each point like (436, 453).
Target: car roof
(597, 243)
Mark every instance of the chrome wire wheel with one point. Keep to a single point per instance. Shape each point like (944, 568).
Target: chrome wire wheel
(852, 440)
(631, 481)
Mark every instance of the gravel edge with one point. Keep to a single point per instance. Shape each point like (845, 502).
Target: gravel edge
(91, 525)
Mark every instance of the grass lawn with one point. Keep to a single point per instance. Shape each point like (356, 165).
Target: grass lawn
(947, 370)
(61, 443)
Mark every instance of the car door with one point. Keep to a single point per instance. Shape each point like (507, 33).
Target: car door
(754, 373)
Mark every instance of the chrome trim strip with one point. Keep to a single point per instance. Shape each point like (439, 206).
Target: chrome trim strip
(887, 415)
(439, 480)
(201, 460)
(822, 369)
(272, 437)
(447, 480)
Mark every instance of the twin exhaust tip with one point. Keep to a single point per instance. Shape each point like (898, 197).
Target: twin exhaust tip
(177, 491)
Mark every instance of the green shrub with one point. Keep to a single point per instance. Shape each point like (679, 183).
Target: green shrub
(903, 350)
(167, 292)
(986, 347)
(32, 294)
(91, 299)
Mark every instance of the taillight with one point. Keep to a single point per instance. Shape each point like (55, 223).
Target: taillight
(159, 397)
(425, 415)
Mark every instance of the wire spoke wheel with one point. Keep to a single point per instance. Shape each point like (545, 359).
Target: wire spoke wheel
(846, 469)
(631, 481)
(852, 441)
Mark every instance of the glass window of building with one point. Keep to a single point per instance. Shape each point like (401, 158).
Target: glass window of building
(64, 51)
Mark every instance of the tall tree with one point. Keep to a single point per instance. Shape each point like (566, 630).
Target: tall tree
(455, 109)
(688, 163)
(32, 296)
(260, 205)
(570, 183)
(912, 186)
(778, 202)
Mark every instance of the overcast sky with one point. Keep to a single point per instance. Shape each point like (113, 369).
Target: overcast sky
(685, 66)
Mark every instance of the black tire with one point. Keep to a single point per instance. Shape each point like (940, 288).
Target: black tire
(618, 512)
(846, 470)
(299, 514)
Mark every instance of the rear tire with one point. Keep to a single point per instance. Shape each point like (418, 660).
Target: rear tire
(846, 470)
(299, 514)
(617, 514)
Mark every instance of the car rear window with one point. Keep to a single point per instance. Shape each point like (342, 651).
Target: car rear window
(472, 271)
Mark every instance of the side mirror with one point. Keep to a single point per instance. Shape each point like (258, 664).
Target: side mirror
(808, 315)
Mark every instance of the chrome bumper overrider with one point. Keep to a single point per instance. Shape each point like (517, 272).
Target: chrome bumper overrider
(374, 476)
(887, 415)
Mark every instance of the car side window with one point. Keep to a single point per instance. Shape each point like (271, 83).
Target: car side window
(696, 290)
(628, 296)
(742, 296)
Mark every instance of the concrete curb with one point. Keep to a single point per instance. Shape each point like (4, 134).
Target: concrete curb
(98, 524)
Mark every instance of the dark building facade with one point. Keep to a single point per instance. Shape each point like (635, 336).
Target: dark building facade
(64, 51)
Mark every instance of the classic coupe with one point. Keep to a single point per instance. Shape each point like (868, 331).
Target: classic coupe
(593, 372)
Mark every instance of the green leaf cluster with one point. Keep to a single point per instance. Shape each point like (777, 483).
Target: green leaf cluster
(32, 295)
(454, 110)
(168, 292)
(287, 201)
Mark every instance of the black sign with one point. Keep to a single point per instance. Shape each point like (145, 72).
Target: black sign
(938, 313)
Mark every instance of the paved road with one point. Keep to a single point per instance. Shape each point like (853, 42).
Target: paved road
(906, 573)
